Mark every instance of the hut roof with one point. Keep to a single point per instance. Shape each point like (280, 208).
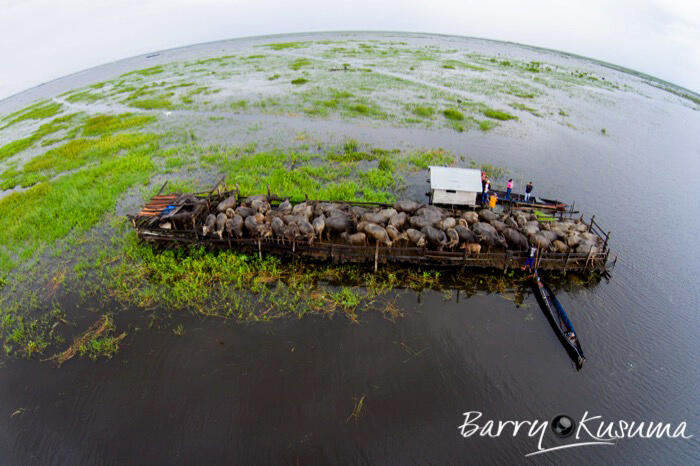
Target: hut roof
(457, 179)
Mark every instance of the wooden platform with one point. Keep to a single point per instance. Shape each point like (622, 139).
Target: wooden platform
(188, 232)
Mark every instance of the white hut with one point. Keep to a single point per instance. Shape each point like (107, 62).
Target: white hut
(454, 186)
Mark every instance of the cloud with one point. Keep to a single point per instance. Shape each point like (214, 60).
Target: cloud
(41, 40)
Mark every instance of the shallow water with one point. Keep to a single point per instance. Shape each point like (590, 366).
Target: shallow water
(283, 392)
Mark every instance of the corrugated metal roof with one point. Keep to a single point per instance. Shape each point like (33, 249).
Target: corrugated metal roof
(459, 179)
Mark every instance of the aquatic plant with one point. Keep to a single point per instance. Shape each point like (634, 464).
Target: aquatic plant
(38, 111)
(498, 114)
(453, 114)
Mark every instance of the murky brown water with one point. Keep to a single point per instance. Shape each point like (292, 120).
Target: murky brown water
(283, 392)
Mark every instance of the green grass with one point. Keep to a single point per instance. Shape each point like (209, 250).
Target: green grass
(498, 115)
(146, 71)
(286, 45)
(106, 345)
(453, 114)
(26, 335)
(300, 63)
(274, 76)
(299, 81)
(525, 108)
(155, 103)
(78, 152)
(37, 111)
(486, 125)
(422, 111)
(107, 124)
(34, 220)
(425, 159)
(85, 96)
(14, 147)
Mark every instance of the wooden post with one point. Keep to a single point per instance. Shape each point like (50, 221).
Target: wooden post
(162, 188)
(588, 258)
(259, 249)
(376, 256)
(590, 227)
(605, 244)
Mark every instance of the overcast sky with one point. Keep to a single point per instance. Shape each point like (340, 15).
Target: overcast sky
(42, 40)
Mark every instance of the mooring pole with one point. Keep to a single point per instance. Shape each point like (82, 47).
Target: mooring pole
(376, 256)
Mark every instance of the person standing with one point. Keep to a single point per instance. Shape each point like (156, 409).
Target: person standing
(509, 189)
(530, 261)
(485, 194)
(528, 191)
(483, 185)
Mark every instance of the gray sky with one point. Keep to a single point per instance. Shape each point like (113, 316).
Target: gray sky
(44, 39)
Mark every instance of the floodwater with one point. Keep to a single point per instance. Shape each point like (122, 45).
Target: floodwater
(284, 392)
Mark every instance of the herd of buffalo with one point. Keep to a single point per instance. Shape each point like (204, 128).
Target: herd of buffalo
(407, 223)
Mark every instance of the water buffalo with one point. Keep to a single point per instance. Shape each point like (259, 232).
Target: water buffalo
(540, 240)
(260, 205)
(306, 230)
(285, 207)
(303, 209)
(446, 223)
(228, 203)
(230, 213)
(407, 206)
(387, 214)
(250, 199)
(399, 220)
(251, 225)
(422, 222)
(498, 225)
(293, 218)
(431, 211)
(338, 224)
(237, 226)
(487, 215)
(291, 232)
(220, 224)
(530, 229)
(573, 239)
(416, 237)
(357, 211)
(471, 217)
(488, 235)
(319, 225)
(378, 233)
(515, 239)
(355, 239)
(374, 217)
(508, 220)
(465, 235)
(585, 247)
(480, 228)
(435, 236)
(209, 224)
(559, 246)
(393, 233)
(244, 211)
(277, 225)
(550, 235)
(452, 238)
